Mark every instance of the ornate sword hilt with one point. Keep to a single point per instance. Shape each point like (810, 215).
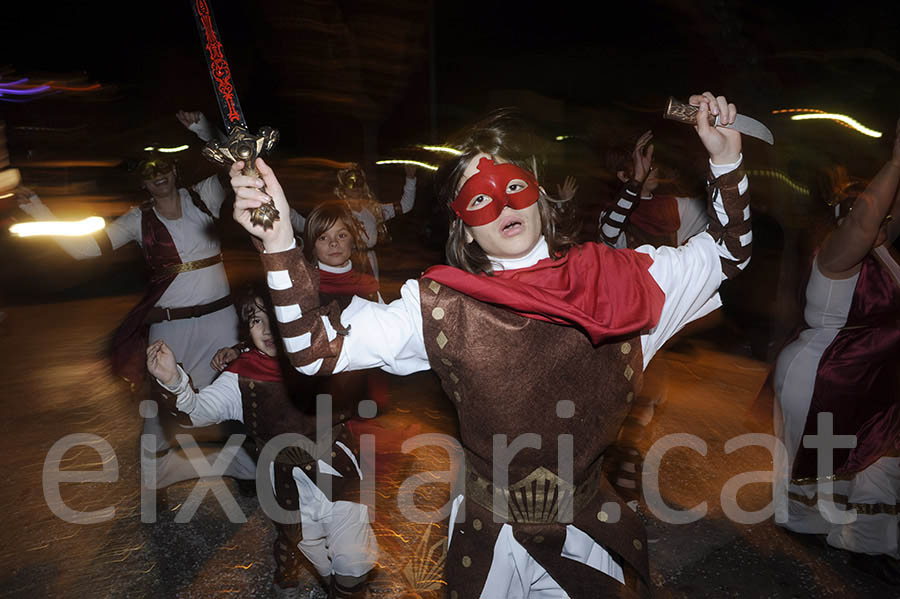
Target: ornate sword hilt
(677, 110)
(243, 145)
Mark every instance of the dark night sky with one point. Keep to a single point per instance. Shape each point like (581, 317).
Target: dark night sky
(627, 58)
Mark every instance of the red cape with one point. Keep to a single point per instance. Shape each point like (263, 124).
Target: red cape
(256, 365)
(606, 292)
(658, 216)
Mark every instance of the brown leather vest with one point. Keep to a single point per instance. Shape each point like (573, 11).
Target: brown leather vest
(505, 374)
(269, 411)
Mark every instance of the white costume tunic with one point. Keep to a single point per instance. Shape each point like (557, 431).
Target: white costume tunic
(194, 341)
(828, 303)
(390, 337)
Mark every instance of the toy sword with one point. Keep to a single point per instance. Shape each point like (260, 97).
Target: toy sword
(241, 144)
(686, 113)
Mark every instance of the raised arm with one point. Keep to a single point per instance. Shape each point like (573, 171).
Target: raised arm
(865, 227)
(218, 401)
(320, 340)
(613, 221)
(643, 182)
(197, 123)
(893, 225)
(407, 200)
(691, 274)
(116, 234)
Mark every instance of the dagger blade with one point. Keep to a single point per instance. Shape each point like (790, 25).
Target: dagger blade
(751, 127)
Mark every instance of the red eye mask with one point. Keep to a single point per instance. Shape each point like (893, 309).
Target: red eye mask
(491, 186)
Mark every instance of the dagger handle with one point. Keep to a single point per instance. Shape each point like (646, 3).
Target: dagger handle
(684, 113)
(266, 214)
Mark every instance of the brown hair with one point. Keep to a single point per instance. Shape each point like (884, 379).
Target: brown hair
(323, 217)
(250, 300)
(503, 133)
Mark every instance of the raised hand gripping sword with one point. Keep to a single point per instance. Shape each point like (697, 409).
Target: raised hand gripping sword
(241, 144)
(687, 113)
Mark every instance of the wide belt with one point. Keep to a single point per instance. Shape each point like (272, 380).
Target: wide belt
(174, 269)
(157, 314)
(538, 498)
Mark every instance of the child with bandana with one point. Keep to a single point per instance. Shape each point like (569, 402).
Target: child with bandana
(332, 532)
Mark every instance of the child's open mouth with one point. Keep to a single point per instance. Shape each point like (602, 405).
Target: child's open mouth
(511, 226)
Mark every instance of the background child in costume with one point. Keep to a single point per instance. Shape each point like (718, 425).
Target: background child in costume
(640, 216)
(334, 534)
(518, 286)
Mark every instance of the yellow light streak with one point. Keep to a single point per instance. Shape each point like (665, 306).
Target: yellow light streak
(443, 149)
(59, 227)
(790, 110)
(778, 175)
(564, 137)
(173, 150)
(424, 165)
(840, 118)
(181, 148)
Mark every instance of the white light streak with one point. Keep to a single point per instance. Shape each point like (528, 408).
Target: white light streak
(59, 228)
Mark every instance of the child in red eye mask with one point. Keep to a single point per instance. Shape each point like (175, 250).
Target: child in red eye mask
(539, 344)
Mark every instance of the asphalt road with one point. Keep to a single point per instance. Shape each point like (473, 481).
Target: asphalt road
(57, 383)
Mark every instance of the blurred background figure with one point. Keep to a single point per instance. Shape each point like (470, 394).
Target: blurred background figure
(369, 214)
(187, 302)
(844, 362)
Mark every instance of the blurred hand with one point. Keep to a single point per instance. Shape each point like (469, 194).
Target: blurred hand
(651, 183)
(223, 358)
(410, 171)
(188, 118)
(25, 197)
(567, 191)
(161, 363)
(723, 144)
(249, 194)
(642, 157)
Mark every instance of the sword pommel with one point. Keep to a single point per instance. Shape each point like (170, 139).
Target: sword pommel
(682, 112)
(243, 145)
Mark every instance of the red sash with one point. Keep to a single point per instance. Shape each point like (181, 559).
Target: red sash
(606, 292)
(347, 283)
(256, 365)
